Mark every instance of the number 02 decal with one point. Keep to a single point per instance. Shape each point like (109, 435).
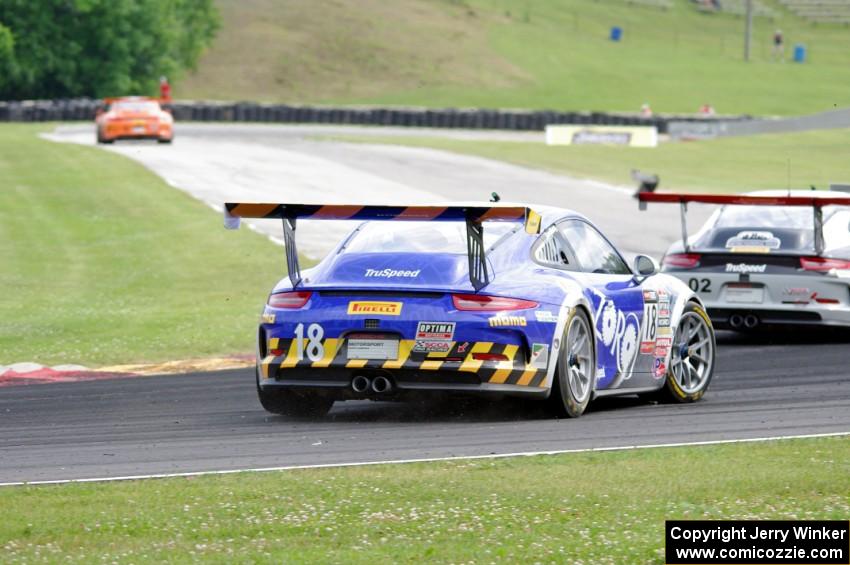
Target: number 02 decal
(315, 350)
(650, 322)
(700, 285)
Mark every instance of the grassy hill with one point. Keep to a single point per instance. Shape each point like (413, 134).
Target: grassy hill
(511, 53)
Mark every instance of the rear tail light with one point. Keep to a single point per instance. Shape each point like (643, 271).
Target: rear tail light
(484, 303)
(823, 264)
(489, 357)
(289, 299)
(681, 260)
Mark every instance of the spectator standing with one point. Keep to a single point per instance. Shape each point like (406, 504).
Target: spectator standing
(645, 110)
(706, 110)
(778, 45)
(164, 90)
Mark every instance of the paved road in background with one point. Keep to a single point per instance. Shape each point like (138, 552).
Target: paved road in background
(278, 163)
(213, 421)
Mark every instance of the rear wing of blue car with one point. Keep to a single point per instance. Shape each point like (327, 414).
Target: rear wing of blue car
(474, 216)
(817, 204)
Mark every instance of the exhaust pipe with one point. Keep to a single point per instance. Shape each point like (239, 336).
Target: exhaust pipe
(751, 321)
(360, 384)
(381, 385)
(736, 321)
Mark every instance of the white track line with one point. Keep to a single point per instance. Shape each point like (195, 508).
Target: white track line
(423, 460)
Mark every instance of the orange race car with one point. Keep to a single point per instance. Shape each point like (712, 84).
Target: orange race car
(134, 117)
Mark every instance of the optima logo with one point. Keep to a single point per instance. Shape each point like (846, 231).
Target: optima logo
(375, 308)
(744, 268)
(392, 273)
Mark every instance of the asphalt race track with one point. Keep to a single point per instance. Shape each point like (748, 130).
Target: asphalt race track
(781, 385)
(212, 421)
(261, 163)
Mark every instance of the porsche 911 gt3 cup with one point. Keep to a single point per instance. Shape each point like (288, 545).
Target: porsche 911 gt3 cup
(767, 257)
(483, 299)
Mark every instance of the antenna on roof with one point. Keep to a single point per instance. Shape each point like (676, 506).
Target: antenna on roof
(494, 197)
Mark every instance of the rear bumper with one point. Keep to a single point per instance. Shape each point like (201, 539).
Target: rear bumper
(507, 378)
(793, 299)
(722, 316)
(125, 131)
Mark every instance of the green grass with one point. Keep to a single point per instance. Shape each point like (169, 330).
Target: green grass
(529, 54)
(102, 262)
(591, 508)
(739, 164)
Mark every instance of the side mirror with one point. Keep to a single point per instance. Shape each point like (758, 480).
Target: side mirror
(645, 266)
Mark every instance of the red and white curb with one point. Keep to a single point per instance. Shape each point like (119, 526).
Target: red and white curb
(35, 373)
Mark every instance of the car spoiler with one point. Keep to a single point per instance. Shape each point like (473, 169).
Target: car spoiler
(473, 216)
(816, 203)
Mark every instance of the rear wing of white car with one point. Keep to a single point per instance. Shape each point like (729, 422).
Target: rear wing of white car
(474, 216)
(815, 202)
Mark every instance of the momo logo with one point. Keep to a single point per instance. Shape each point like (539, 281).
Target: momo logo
(500, 321)
(744, 268)
(375, 308)
(392, 273)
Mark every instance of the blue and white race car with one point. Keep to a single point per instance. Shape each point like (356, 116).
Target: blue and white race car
(484, 299)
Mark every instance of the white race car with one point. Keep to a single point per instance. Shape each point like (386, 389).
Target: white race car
(766, 257)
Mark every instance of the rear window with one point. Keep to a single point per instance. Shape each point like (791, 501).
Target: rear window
(836, 233)
(422, 237)
(779, 228)
(792, 217)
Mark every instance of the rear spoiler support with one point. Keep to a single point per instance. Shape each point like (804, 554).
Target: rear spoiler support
(292, 266)
(816, 203)
(473, 216)
(818, 223)
(683, 214)
(479, 273)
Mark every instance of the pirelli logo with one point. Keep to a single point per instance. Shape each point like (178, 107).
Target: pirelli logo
(374, 308)
(500, 321)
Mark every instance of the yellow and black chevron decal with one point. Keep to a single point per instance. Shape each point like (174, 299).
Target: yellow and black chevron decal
(348, 212)
(513, 371)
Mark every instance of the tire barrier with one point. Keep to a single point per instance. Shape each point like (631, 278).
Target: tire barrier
(83, 109)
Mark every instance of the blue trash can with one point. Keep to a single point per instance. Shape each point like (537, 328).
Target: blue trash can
(616, 33)
(799, 53)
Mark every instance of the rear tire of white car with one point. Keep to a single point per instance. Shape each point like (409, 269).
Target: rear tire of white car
(572, 386)
(693, 357)
(293, 404)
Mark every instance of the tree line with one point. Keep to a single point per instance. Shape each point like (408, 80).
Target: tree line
(97, 48)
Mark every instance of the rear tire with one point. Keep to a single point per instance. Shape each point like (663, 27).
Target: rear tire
(291, 403)
(572, 386)
(692, 359)
(161, 140)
